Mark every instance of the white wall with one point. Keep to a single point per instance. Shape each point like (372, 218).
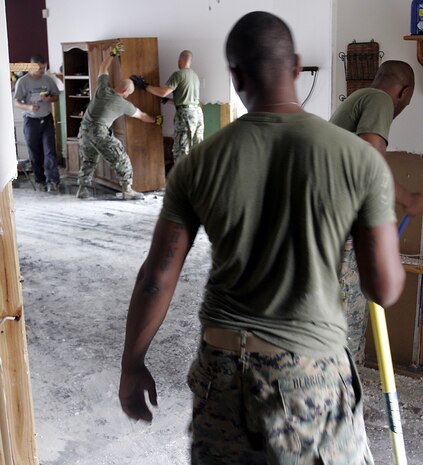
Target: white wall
(7, 141)
(387, 22)
(181, 24)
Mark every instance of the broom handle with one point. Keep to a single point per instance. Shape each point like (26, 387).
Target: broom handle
(387, 377)
(386, 371)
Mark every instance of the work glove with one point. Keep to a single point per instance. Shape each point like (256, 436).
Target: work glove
(159, 120)
(117, 50)
(139, 81)
(164, 100)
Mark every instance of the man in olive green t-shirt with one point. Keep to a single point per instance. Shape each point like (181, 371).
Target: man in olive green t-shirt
(369, 113)
(96, 137)
(189, 120)
(277, 191)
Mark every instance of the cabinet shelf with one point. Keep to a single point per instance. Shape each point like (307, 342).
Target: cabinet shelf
(79, 96)
(77, 76)
(419, 40)
(75, 116)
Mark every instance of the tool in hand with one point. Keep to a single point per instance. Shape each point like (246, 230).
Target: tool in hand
(387, 376)
(117, 50)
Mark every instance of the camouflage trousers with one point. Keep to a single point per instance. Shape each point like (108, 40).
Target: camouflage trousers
(354, 304)
(276, 408)
(188, 130)
(97, 141)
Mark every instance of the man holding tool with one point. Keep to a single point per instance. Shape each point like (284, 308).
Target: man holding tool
(272, 382)
(96, 137)
(35, 93)
(189, 120)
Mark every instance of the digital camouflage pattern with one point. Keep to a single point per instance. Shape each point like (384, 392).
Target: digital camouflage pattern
(97, 141)
(276, 408)
(354, 304)
(188, 130)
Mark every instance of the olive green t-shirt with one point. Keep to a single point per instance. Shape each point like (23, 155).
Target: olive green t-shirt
(106, 105)
(277, 195)
(366, 111)
(185, 86)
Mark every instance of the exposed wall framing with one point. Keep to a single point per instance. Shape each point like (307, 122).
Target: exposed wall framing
(16, 409)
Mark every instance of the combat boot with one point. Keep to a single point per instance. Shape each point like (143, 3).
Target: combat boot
(82, 192)
(129, 194)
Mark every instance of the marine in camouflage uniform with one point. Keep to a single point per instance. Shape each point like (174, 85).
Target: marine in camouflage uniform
(369, 113)
(277, 191)
(96, 138)
(184, 84)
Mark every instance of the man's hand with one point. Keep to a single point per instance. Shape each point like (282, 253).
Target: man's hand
(139, 81)
(117, 50)
(416, 206)
(132, 397)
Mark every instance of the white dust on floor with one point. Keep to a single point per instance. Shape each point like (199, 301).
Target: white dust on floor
(79, 260)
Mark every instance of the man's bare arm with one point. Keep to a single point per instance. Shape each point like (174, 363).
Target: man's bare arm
(162, 91)
(150, 300)
(105, 65)
(412, 202)
(382, 275)
(27, 106)
(145, 117)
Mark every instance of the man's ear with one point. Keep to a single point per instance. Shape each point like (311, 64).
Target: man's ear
(237, 78)
(297, 66)
(405, 92)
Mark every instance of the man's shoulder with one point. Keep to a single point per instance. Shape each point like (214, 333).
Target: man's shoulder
(24, 79)
(369, 96)
(103, 79)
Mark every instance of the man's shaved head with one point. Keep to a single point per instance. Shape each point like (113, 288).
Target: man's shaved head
(260, 44)
(394, 72)
(185, 59)
(125, 87)
(396, 78)
(186, 55)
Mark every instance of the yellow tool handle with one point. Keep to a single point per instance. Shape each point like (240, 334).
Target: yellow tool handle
(387, 377)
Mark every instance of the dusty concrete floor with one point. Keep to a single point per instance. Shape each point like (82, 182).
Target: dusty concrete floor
(79, 259)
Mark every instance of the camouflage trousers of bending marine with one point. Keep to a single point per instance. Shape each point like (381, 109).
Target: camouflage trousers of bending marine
(354, 304)
(276, 409)
(188, 130)
(97, 141)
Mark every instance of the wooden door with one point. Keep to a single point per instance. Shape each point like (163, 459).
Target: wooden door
(144, 141)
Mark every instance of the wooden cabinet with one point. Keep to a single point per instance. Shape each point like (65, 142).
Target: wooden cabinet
(143, 142)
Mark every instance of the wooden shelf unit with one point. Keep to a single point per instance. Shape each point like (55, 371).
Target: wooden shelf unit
(142, 141)
(419, 39)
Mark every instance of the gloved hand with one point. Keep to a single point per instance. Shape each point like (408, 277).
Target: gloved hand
(139, 81)
(117, 50)
(164, 100)
(159, 120)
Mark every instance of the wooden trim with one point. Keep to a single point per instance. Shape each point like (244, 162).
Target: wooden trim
(16, 392)
(419, 42)
(413, 268)
(225, 114)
